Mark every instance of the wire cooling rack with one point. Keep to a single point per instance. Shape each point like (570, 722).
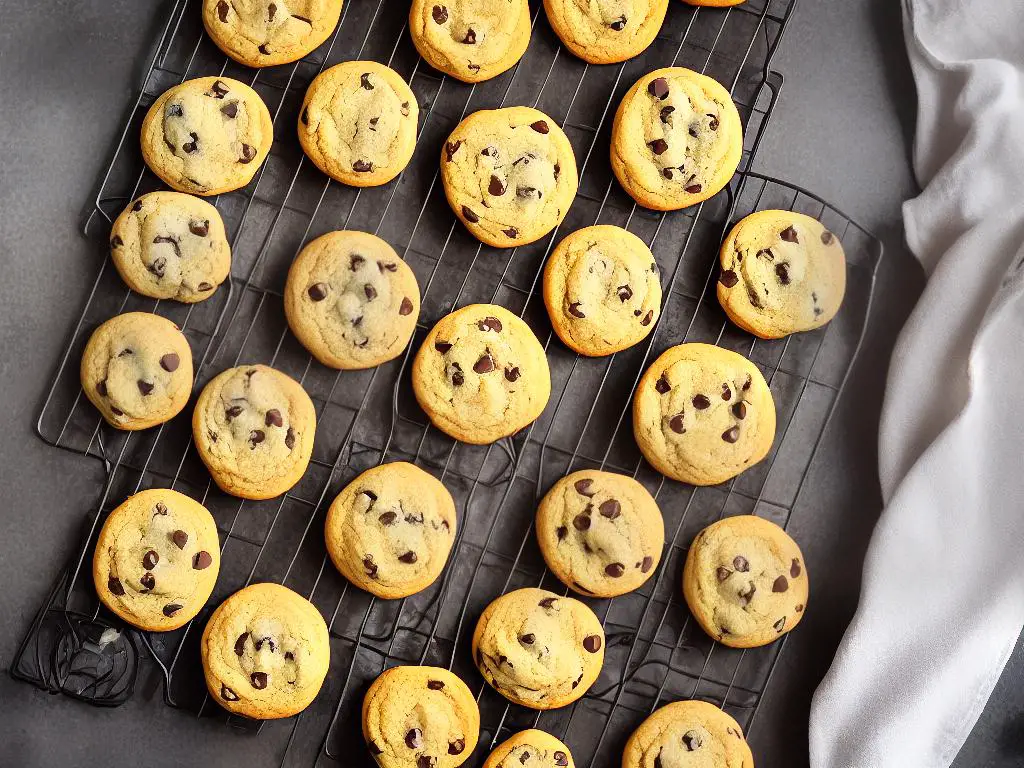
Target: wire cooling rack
(654, 654)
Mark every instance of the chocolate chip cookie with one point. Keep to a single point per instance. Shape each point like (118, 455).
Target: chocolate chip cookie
(688, 733)
(358, 123)
(539, 649)
(531, 748)
(602, 290)
(606, 31)
(261, 33)
(157, 559)
(207, 136)
(137, 370)
(782, 273)
(472, 40)
(677, 139)
(600, 533)
(481, 374)
(254, 427)
(703, 414)
(351, 300)
(509, 174)
(265, 652)
(169, 245)
(391, 529)
(745, 581)
(420, 717)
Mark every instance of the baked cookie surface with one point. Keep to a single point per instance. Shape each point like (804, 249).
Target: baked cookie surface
(157, 559)
(677, 139)
(261, 33)
(606, 31)
(602, 290)
(207, 136)
(530, 748)
(509, 175)
(688, 733)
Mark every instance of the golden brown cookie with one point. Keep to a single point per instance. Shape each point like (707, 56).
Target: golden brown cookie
(688, 733)
(261, 33)
(531, 748)
(606, 31)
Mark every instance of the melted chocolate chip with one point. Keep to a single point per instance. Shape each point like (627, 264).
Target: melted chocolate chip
(582, 521)
(227, 694)
(414, 738)
(624, 292)
(138, 206)
(658, 88)
(583, 487)
(201, 560)
(676, 424)
(749, 595)
(528, 639)
(370, 291)
(148, 582)
(364, 80)
(789, 235)
(114, 586)
(199, 228)
(263, 48)
(158, 267)
(408, 558)
(592, 643)
(496, 187)
(547, 602)
(259, 680)
(741, 564)
(561, 532)
(575, 311)
(144, 387)
(610, 509)
(731, 435)
(694, 189)
(456, 747)
(739, 410)
(248, 154)
(180, 539)
(560, 758)
(794, 569)
(484, 365)
(780, 584)
(172, 608)
(240, 644)
(439, 13)
(470, 38)
(615, 570)
(540, 127)
(661, 386)
(827, 237)
(469, 216)
(728, 278)
(222, 10)
(230, 110)
(512, 374)
(722, 573)
(726, 393)
(658, 146)
(780, 624)
(511, 233)
(619, 24)
(405, 308)
(700, 402)
(289, 439)
(116, 241)
(362, 166)
(256, 437)
(458, 378)
(150, 559)
(317, 291)
(204, 287)
(489, 324)
(273, 418)
(370, 566)
(692, 741)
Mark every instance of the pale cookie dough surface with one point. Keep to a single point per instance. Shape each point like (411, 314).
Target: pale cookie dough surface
(265, 652)
(688, 734)
(677, 139)
(481, 374)
(509, 174)
(254, 428)
(351, 300)
(602, 290)
(530, 749)
(703, 414)
(261, 33)
(745, 581)
(358, 123)
(207, 136)
(606, 31)
(137, 370)
(169, 245)
(781, 273)
(472, 40)
(539, 649)
(157, 559)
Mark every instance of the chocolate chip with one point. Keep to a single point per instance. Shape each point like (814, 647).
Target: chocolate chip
(449, 148)
(625, 293)
(148, 581)
(373, 123)
(264, 48)
(511, 232)
(700, 402)
(581, 522)
(271, 11)
(370, 291)
(747, 383)
(116, 241)
(204, 286)
(212, 435)
(667, 173)
(158, 266)
(442, 346)
(661, 386)
(289, 439)
(577, 681)
(610, 509)
(256, 437)
(370, 566)
(150, 559)
(227, 694)
(364, 80)
(268, 641)
(484, 365)
(780, 584)
(470, 38)
(138, 206)
(458, 378)
(440, 14)
(409, 557)
(233, 411)
(489, 324)
(583, 487)
(456, 747)
(230, 109)
(666, 113)
(728, 278)
(414, 738)
(722, 573)
(739, 410)
(512, 374)
(114, 586)
(658, 88)
(496, 187)
(370, 495)
(524, 757)
(692, 741)
(676, 424)
(172, 608)
(201, 560)
(731, 435)
(405, 109)
(145, 387)
(222, 10)
(540, 126)
(489, 152)
(726, 393)
(794, 569)
(175, 110)
(305, 115)
(827, 237)
(615, 570)
(748, 596)
(658, 146)
(160, 508)
(116, 411)
(240, 644)
(528, 639)
(180, 539)
(374, 749)
(575, 311)
(557, 170)
(789, 235)
(469, 216)
(741, 564)
(619, 24)
(259, 680)
(248, 154)
(693, 131)
(527, 192)
(780, 624)
(713, 125)
(799, 608)
(782, 272)
(547, 602)
(193, 145)
(592, 643)
(561, 759)
(694, 189)
(362, 166)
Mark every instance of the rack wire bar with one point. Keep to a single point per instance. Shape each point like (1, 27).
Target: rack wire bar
(654, 654)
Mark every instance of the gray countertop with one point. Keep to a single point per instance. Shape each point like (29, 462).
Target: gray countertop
(842, 130)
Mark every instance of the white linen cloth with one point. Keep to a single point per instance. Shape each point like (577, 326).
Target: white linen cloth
(942, 601)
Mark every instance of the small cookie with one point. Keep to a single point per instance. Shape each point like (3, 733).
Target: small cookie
(157, 559)
(351, 300)
(207, 136)
(472, 40)
(600, 533)
(703, 414)
(509, 174)
(137, 370)
(169, 245)
(358, 123)
(539, 649)
(254, 427)
(745, 581)
(677, 139)
(391, 529)
(672, 735)
(265, 652)
(531, 748)
(481, 374)
(782, 273)
(259, 33)
(420, 717)
(606, 31)
(602, 290)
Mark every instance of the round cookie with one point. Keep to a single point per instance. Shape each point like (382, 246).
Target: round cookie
(351, 300)
(606, 31)
(602, 290)
(391, 529)
(677, 139)
(600, 533)
(137, 370)
(420, 717)
(782, 273)
(358, 123)
(169, 245)
(157, 559)
(509, 175)
(531, 748)
(259, 33)
(207, 136)
(539, 649)
(481, 374)
(688, 733)
(253, 427)
(472, 40)
(703, 414)
(265, 652)
(745, 581)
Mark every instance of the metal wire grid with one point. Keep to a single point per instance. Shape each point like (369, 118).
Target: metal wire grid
(651, 655)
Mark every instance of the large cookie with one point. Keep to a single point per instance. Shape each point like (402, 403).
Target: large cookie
(688, 733)
(261, 33)
(530, 749)
(606, 31)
